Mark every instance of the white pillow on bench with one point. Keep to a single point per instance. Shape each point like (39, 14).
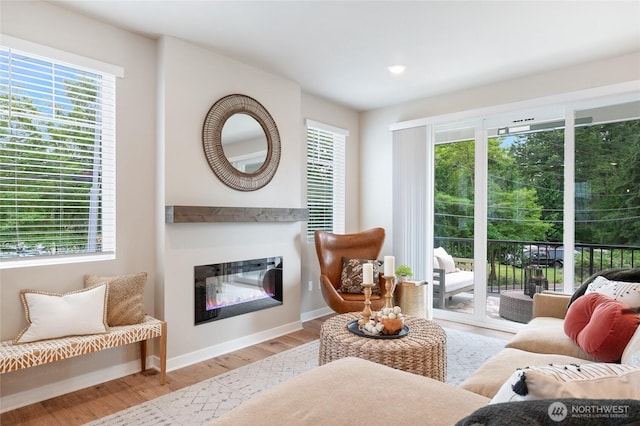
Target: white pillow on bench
(53, 315)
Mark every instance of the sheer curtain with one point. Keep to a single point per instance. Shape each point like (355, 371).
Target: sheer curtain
(411, 212)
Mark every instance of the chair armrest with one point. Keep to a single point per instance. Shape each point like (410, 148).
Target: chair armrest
(438, 276)
(550, 304)
(463, 263)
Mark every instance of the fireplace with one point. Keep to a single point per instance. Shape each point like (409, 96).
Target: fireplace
(224, 290)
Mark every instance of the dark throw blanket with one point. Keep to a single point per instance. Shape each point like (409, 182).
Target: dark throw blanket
(557, 412)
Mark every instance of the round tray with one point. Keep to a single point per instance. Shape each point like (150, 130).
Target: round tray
(353, 327)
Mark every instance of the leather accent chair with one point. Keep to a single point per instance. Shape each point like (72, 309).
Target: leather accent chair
(331, 248)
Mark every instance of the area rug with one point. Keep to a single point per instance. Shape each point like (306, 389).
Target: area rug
(200, 403)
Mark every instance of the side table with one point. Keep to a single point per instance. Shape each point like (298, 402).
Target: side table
(516, 306)
(411, 296)
(422, 351)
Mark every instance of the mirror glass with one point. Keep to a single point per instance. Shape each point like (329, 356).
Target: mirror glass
(244, 143)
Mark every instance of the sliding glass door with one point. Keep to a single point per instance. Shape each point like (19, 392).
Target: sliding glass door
(556, 205)
(606, 189)
(521, 201)
(524, 214)
(453, 219)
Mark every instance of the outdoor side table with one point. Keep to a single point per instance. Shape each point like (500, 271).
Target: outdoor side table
(422, 351)
(516, 306)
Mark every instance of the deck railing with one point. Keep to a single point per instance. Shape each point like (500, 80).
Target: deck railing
(509, 261)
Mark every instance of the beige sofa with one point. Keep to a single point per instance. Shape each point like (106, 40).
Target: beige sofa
(541, 342)
(352, 391)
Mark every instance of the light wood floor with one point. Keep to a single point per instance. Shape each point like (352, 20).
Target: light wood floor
(92, 403)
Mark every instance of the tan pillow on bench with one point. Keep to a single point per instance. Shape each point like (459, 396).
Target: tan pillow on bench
(125, 305)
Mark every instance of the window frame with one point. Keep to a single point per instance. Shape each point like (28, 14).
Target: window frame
(110, 73)
(338, 182)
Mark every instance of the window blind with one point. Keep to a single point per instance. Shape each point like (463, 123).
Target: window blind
(57, 158)
(325, 178)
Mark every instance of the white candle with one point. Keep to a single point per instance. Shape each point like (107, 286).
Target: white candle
(367, 273)
(389, 266)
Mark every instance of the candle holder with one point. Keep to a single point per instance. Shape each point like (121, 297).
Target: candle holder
(389, 287)
(366, 312)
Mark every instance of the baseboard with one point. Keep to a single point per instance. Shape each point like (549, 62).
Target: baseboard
(61, 387)
(230, 346)
(308, 316)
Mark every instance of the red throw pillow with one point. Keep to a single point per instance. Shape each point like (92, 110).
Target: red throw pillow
(601, 325)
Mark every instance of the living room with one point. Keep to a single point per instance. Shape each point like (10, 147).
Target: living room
(168, 86)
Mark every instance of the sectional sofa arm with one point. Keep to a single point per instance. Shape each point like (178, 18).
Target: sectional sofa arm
(550, 304)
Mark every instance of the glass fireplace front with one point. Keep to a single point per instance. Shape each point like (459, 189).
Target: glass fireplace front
(224, 290)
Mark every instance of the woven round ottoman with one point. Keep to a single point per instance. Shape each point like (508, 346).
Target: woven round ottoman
(516, 306)
(422, 351)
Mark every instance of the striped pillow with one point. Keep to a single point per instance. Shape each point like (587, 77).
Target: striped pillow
(625, 292)
(588, 381)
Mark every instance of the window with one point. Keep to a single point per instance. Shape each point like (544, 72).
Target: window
(325, 178)
(57, 160)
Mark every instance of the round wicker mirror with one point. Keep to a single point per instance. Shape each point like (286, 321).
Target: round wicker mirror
(212, 142)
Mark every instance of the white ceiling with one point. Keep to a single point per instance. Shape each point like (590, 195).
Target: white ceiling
(340, 50)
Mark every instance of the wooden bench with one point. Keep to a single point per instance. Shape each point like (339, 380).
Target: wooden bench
(25, 355)
(446, 285)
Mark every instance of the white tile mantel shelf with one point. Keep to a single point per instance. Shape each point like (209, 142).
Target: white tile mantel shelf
(200, 214)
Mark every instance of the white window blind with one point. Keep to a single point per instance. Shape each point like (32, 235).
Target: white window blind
(57, 160)
(326, 146)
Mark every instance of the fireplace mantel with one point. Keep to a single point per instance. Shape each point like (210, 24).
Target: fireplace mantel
(200, 214)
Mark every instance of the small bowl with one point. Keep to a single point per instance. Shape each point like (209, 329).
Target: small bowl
(392, 326)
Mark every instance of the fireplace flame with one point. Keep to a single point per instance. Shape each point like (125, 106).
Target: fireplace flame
(221, 293)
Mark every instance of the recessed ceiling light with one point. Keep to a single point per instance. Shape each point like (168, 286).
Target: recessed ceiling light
(396, 69)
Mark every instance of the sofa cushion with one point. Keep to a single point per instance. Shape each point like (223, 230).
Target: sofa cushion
(351, 277)
(125, 304)
(445, 260)
(458, 280)
(625, 292)
(353, 391)
(601, 326)
(447, 263)
(593, 380)
(53, 315)
(546, 335)
(491, 375)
